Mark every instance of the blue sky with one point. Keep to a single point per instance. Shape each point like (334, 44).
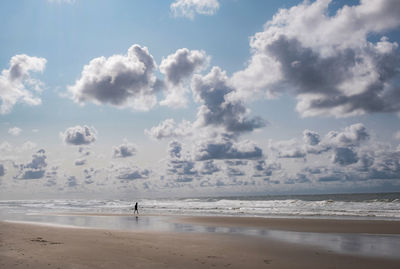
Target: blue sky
(309, 92)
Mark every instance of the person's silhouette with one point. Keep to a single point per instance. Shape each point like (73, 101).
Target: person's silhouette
(136, 209)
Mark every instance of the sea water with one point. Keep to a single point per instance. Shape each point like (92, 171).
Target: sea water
(370, 206)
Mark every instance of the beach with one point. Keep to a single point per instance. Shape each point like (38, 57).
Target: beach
(36, 246)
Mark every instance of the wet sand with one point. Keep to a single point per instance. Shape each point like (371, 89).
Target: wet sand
(302, 225)
(33, 246)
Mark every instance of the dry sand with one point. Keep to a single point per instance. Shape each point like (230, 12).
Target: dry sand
(32, 246)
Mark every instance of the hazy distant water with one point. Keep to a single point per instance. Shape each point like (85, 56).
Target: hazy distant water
(373, 205)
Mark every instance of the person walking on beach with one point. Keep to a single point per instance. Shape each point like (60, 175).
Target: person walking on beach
(136, 209)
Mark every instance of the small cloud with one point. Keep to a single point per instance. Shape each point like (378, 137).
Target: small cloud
(169, 129)
(131, 173)
(80, 162)
(79, 135)
(71, 182)
(6, 147)
(224, 148)
(36, 168)
(189, 8)
(28, 145)
(15, 131)
(311, 138)
(124, 150)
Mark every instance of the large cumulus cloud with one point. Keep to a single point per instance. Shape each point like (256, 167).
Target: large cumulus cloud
(178, 68)
(327, 61)
(16, 83)
(120, 80)
(217, 110)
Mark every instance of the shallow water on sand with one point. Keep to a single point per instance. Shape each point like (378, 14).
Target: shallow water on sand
(385, 246)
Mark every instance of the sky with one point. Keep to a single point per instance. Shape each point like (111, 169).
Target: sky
(183, 98)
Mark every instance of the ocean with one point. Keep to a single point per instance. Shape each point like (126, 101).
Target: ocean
(359, 206)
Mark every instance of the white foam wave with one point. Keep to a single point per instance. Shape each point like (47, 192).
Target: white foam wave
(378, 208)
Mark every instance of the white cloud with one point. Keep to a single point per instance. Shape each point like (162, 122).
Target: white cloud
(5, 147)
(209, 168)
(28, 145)
(90, 175)
(169, 129)
(226, 148)
(266, 169)
(180, 166)
(35, 169)
(79, 135)
(128, 173)
(16, 83)
(288, 149)
(352, 135)
(385, 166)
(311, 138)
(344, 156)
(80, 162)
(124, 150)
(178, 68)
(326, 61)
(15, 131)
(217, 110)
(84, 152)
(120, 80)
(71, 182)
(189, 8)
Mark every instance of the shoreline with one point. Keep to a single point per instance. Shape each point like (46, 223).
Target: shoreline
(298, 224)
(25, 245)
